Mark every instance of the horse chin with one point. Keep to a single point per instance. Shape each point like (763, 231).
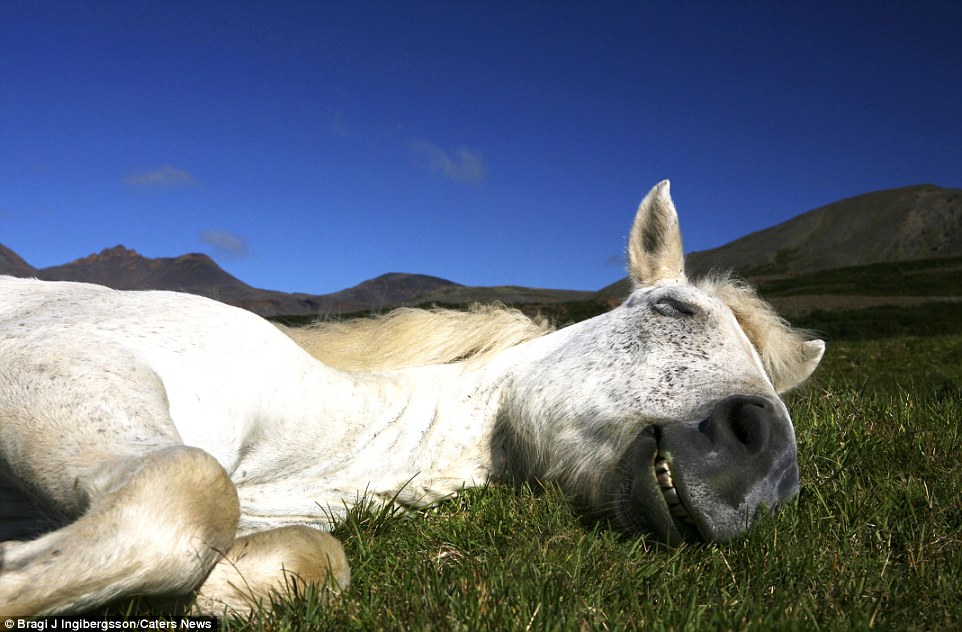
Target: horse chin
(648, 502)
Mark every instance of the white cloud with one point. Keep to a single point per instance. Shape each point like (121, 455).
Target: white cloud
(167, 176)
(225, 242)
(463, 165)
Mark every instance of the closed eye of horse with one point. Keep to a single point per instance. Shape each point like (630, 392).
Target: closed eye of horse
(205, 451)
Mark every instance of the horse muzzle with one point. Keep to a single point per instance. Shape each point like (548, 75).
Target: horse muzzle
(708, 479)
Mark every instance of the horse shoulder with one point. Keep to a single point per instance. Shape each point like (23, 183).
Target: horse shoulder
(224, 374)
(231, 378)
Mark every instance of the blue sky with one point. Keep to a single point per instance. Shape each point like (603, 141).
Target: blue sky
(308, 146)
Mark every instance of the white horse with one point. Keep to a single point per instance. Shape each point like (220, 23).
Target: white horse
(156, 443)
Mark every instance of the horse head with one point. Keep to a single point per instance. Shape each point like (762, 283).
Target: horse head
(665, 413)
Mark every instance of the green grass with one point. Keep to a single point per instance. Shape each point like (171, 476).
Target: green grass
(919, 277)
(929, 319)
(874, 539)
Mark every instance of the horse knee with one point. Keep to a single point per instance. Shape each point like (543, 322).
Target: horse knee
(186, 506)
(272, 562)
(156, 524)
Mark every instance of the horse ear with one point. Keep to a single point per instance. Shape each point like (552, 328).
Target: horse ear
(809, 355)
(654, 247)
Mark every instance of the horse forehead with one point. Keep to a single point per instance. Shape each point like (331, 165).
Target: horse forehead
(705, 301)
(709, 350)
(715, 326)
(679, 290)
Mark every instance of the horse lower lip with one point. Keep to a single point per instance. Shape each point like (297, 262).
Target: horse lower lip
(675, 506)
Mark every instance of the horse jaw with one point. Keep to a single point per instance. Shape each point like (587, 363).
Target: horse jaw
(708, 479)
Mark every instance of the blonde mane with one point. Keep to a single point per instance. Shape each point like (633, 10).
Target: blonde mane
(408, 337)
(782, 348)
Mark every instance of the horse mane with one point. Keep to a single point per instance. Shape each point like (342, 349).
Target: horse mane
(410, 337)
(780, 346)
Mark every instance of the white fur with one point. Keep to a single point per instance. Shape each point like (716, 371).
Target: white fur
(157, 427)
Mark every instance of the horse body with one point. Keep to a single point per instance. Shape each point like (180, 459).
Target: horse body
(199, 447)
(298, 446)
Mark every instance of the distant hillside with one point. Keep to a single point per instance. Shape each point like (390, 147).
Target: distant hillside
(937, 277)
(898, 283)
(507, 294)
(816, 260)
(126, 269)
(904, 283)
(917, 222)
(12, 264)
(387, 290)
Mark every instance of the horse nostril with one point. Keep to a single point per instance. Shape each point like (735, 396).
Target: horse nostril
(746, 424)
(744, 420)
(743, 430)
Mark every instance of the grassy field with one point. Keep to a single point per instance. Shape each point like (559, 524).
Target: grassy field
(920, 277)
(874, 539)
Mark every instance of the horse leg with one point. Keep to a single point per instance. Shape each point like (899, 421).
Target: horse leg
(155, 524)
(270, 562)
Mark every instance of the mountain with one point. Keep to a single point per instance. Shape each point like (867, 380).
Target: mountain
(125, 269)
(916, 222)
(787, 261)
(12, 264)
(387, 290)
(832, 257)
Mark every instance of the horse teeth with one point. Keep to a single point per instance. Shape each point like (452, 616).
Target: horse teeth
(664, 481)
(662, 471)
(663, 474)
(671, 496)
(675, 506)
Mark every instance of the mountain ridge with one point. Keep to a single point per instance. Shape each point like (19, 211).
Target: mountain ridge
(11, 263)
(914, 222)
(125, 269)
(919, 222)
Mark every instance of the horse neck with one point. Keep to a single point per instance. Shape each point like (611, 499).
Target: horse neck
(412, 435)
(534, 392)
(432, 430)
(419, 433)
